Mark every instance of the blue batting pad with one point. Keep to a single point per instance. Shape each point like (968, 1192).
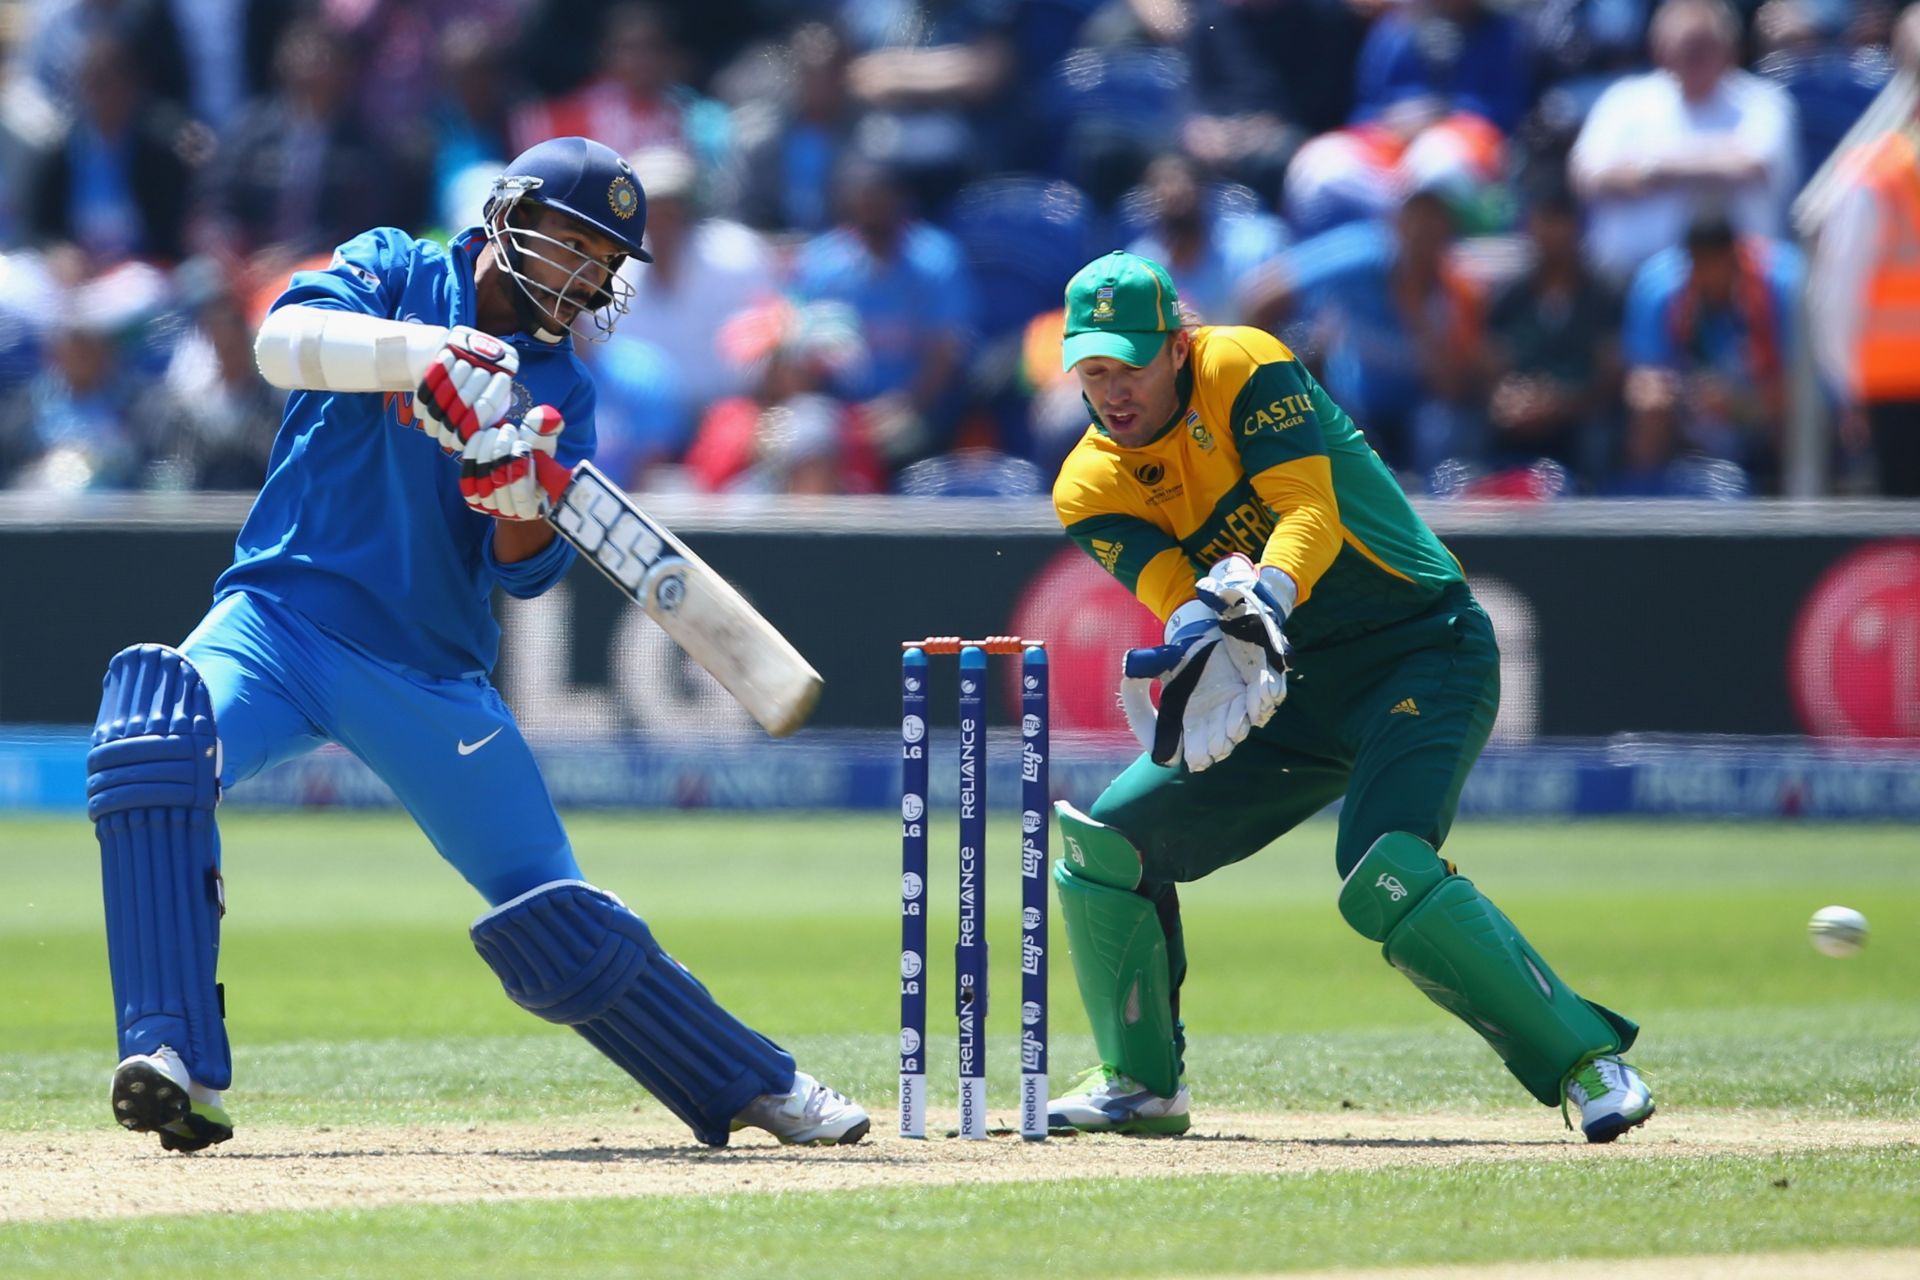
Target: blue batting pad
(575, 955)
(153, 777)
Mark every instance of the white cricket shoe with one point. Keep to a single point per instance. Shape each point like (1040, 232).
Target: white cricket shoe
(155, 1093)
(1106, 1101)
(1611, 1096)
(812, 1115)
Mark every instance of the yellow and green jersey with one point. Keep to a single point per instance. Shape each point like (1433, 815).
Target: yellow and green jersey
(1257, 460)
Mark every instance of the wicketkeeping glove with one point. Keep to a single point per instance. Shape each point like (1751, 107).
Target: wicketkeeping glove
(467, 388)
(498, 475)
(1203, 712)
(1252, 606)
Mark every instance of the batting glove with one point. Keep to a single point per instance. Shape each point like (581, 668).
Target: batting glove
(467, 388)
(498, 474)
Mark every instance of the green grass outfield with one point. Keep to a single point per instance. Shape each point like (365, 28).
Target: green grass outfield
(355, 999)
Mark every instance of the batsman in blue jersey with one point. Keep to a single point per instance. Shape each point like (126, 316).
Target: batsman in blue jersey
(357, 611)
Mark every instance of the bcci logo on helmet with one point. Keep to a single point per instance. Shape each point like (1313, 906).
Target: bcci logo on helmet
(623, 197)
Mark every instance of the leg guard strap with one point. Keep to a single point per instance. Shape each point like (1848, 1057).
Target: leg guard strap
(153, 778)
(575, 955)
(1463, 952)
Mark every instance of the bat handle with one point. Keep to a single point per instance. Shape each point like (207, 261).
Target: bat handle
(553, 475)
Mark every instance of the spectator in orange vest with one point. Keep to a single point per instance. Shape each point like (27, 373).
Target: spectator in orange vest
(1866, 289)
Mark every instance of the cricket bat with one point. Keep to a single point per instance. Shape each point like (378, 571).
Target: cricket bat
(697, 607)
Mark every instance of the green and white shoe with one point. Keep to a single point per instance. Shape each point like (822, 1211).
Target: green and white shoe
(1106, 1101)
(154, 1093)
(1611, 1096)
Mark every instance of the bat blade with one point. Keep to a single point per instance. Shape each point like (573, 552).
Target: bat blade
(698, 608)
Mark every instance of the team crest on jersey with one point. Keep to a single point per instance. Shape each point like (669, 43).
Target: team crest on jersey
(1198, 430)
(520, 402)
(624, 197)
(1103, 302)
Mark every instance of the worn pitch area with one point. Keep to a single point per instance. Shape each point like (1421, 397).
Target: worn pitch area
(111, 1174)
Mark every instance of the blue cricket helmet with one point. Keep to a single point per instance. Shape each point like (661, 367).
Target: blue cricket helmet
(591, 184)
(584, 179)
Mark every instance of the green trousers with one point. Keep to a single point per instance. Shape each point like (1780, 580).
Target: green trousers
(1391, 722)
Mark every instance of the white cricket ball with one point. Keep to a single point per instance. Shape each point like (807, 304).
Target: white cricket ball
(1837, 931)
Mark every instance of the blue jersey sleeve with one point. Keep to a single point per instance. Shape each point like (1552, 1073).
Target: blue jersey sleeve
(369, 273)
(525, 579)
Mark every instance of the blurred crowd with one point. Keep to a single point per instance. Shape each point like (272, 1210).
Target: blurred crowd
(1535, 247)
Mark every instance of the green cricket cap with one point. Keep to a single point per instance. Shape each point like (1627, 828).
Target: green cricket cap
(1120, 305)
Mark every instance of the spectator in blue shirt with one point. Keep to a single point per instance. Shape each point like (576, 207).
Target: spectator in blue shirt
(1708, 328)
(1455, 51)
(74, 426)
(1210, 253)
(112, 183)
(1807, 53)
(1398, 329)
(790, 148)
(908, 283)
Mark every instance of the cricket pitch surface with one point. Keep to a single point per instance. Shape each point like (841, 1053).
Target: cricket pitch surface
(112, 1174)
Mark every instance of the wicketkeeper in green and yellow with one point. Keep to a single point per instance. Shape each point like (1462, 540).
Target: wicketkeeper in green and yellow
(1321, 644)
